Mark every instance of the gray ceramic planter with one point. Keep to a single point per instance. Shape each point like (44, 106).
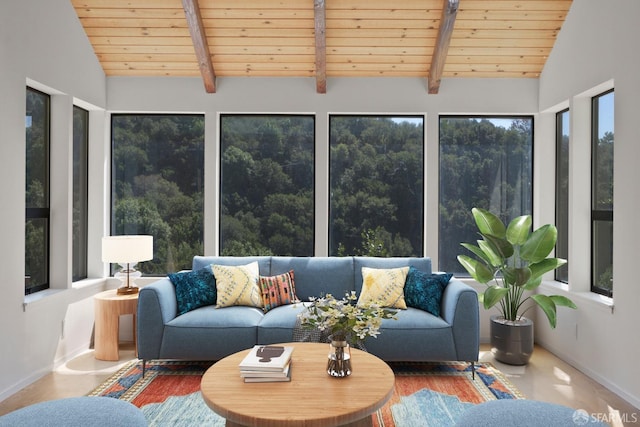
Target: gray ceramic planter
(511, 342)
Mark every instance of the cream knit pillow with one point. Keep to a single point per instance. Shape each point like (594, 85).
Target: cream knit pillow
(383, 286)
(238, 285)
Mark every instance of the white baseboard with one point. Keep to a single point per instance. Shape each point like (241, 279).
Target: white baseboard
(24, 382)
(40, 373)
(632, 400)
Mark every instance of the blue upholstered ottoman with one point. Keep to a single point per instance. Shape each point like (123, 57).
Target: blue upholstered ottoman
(524, 413)
(76, 412)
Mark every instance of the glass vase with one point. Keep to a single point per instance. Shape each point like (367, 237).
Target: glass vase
(339, 363)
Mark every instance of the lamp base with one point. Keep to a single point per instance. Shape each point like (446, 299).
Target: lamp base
(127, 275)
(128, 290)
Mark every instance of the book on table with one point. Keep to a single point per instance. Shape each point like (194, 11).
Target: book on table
(267, 376)
(252, 373)
(267, 358)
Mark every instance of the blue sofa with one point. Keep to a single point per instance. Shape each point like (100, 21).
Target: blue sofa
(210, 333)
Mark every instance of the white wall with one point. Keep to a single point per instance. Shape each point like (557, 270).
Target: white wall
(42, 44)
(597, 49)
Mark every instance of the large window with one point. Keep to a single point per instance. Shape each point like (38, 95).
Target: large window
(485, 162)
(157, 185)
(267, 185)
(602, 193)
(562, 192)
(376, 185)
(36, 254)
(80, 191)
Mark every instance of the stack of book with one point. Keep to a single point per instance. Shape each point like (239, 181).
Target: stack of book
(267, 363)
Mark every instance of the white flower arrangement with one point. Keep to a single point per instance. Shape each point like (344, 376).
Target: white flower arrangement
(343, 319)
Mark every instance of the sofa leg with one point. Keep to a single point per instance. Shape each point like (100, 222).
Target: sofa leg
(473, 370)
(144, 366)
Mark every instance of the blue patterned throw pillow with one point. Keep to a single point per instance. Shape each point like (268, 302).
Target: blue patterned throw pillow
(424, 291)
(194, 289)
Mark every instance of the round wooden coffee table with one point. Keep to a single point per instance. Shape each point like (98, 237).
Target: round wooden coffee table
(312, 398)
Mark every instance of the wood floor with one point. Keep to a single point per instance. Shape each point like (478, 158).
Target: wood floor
(545, 378)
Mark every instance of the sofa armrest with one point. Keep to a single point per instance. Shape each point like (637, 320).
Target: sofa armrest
(157, 305)
(460, 309)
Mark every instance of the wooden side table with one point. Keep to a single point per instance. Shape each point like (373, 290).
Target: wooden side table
(109, 306)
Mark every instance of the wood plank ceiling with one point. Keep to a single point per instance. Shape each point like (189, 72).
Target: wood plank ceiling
(323, 38)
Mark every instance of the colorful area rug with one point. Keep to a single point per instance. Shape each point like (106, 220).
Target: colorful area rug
(426, 394)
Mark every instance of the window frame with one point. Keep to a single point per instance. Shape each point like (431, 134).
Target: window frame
(461, 272)
(112, 191)
(598, 215)
(561, 274)
(80, 195)
(44, 212)
(422, 247)
(220, 188)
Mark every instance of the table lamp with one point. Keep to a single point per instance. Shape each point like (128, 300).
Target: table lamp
(127, 251)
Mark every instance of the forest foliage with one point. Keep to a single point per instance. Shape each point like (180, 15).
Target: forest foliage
(267, 202)
(267, 185)
(376, 186)
(157, 185)
(267, 190)
(482, 165)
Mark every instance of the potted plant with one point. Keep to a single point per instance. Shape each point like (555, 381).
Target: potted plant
(511, 262)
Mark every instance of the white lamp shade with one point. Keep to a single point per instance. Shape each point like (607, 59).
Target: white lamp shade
(127, 249)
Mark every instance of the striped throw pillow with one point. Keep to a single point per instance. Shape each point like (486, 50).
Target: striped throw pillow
(278, 290)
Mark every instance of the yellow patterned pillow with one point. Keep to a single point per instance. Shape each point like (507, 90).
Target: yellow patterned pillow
(238, 285)
(383, 286)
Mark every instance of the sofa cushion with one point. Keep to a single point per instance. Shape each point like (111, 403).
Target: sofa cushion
(277, 325)
(219, 318)
(278, 290)
(383, 286)
(424, 291)
(194, 289)
(210, 333)
(317, 276)
(422, 264)
(238, 285)
(415, 335)
(264, 262)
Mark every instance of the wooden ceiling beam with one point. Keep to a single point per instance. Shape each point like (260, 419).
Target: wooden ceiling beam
(449, 11)
(319, 14)
(199, 39)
